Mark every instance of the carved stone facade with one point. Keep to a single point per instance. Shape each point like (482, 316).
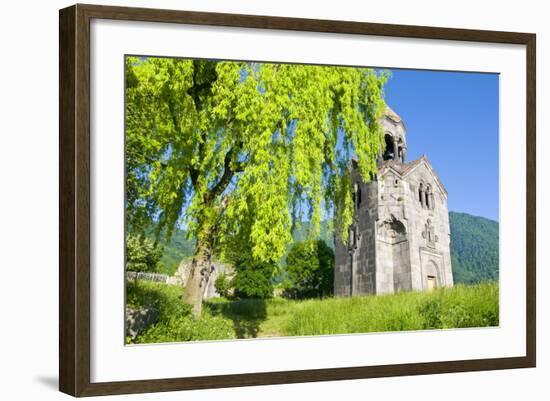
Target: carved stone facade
(400, 237)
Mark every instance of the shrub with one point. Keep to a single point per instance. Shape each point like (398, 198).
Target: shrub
(175, 322)
(310, 269)
(142, 254)
(223, 285)
(253, 279)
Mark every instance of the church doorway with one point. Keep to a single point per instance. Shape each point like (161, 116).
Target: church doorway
(432, 278)
(431, 283)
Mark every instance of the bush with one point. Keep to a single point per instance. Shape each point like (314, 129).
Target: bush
(142, 254)
(223, 285)
(253, 279)
(175, 322)
(187, 328)
(310, 269)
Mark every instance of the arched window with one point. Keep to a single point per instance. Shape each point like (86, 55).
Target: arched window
(423, 195)
(429, 197)
(357, 191)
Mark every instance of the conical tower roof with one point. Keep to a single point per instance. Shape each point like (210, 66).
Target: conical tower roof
(392, 115)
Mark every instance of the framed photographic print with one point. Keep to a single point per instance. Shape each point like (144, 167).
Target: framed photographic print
(250, 200)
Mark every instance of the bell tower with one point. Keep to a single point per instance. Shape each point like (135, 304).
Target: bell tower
(394, 137)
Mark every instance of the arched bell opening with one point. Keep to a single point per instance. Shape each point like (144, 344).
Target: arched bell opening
(391, 148)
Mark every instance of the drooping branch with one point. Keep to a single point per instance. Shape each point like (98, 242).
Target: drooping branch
(230, 167)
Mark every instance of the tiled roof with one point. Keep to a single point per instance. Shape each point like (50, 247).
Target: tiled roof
(404, 168)
(392, 115)
(401, 168)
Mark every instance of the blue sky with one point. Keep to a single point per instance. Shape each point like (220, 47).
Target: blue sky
(452, 118)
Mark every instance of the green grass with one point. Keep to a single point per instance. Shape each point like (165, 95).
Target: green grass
(457, 307)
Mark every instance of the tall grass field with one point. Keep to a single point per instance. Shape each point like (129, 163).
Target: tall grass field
(446, 308)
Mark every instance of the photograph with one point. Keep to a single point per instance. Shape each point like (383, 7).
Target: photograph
(273, 199)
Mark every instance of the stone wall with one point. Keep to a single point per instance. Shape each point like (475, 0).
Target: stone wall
(182, 274)
(218, 268)
(430, 234)
(359, 252)
(137, 320)
(157, 277)
(392, 241)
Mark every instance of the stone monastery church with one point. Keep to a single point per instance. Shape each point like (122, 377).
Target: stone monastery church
(400, 236)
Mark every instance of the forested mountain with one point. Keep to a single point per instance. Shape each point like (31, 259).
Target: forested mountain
(474, 248)
(179, 248)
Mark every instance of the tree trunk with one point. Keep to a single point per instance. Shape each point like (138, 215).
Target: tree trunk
(198, 276)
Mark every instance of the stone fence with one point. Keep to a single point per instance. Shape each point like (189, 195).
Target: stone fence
(156, 277)
(181, 275)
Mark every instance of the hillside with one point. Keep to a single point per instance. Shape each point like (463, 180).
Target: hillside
(474, 248)
(179, 248)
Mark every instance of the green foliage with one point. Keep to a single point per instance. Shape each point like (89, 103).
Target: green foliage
(188, 329)
(175, 322)
(474, 248)
(223, 285)
(142, 254)
(457, 307)
(310, 269)
(226, 145)
(166, 299)
(326, 232)
(179, 247)
(253, 278)
(474, 306)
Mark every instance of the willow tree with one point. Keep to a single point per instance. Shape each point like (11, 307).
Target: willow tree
(238, 151)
